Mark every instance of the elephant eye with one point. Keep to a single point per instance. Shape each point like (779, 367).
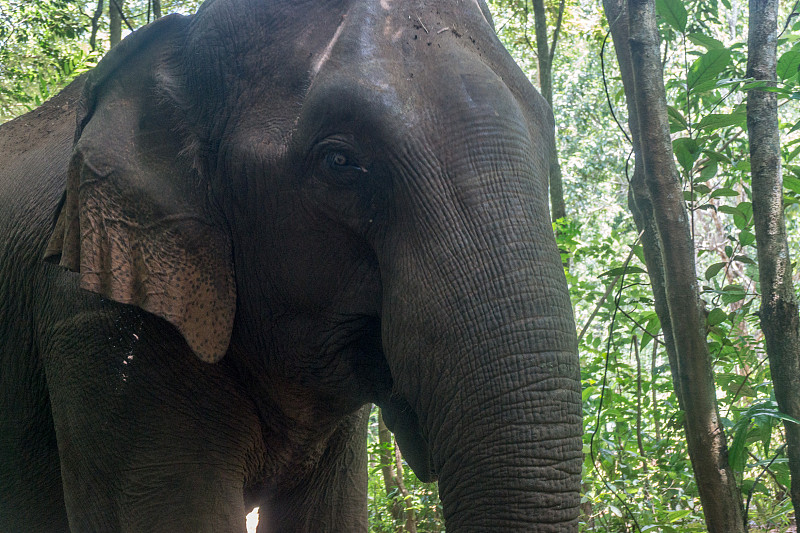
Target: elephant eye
(337, 159)
(341, 162)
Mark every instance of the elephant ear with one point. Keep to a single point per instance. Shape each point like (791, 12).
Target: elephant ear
(136, 219)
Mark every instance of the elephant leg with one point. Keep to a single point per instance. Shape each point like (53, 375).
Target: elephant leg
(150, 438)
(333, 496)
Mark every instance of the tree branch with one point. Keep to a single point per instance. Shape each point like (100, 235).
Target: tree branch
(557, 30)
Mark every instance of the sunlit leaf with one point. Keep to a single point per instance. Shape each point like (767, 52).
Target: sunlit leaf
(724, 191)
(705, 41)
(788, 64)
(708, 66)
(673, 12)
(719, 120)
(792, 183)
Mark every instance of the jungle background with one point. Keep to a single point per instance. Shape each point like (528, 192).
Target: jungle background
(639, 473)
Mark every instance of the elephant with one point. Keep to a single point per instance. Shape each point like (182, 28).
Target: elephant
(243, 227)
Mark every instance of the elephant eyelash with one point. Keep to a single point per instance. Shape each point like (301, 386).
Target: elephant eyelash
(340, 162)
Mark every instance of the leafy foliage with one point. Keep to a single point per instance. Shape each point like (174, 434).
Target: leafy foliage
(423, 498)
(40, 49)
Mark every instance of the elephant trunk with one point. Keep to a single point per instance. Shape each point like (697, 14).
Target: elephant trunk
(507, 448)
(481, 343)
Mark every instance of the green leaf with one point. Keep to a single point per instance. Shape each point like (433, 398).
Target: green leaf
(587, 392)
(729, 209)
(709, 43)
(714, 121)
(791, 183)
(793, 154)
(788, 64)
(724, 191)
(758, 84)
(716, 316)
(673, 12)
(751, 485)
(703, 87)
(733, 293)
(714, 269)
(626, 270)
(709, 170)
(743, 220)
(686, 151)
(639, 252)
(744, 259)
(737, 457)
(708, 66)
(746, 238)
(717, 156)
(673, 516)
(765, 432)
(676, 121)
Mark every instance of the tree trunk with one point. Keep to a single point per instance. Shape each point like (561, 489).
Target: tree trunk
(157, 9)
(544, 53)
(779, 310)
(96, 24)
(115, 21)
(660, 211)
(639, 201)
(392, 469)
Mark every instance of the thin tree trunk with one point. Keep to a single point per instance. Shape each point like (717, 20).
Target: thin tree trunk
(705, 436)
(654, 397)
(115, 21)
(392, 469)
(639, 201)
(639, 402)
(96, 24)
(411, 517)
(544, 53)
(157, 9)
(659, 209)
(779, 310)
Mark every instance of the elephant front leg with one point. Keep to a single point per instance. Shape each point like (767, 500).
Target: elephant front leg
(150, 439)
(332, 497)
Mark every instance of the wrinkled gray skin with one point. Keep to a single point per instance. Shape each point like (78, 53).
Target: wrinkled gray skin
(334, 203)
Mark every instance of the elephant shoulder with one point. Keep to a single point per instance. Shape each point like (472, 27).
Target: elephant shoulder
(56, 116)
(35, 149)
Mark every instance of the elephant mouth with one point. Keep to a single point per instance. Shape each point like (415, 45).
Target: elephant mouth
(401, 419)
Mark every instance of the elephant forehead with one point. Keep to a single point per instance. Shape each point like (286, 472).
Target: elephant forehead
(307, 31)
(389, 47)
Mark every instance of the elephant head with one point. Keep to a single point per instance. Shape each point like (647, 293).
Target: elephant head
(349, 197)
